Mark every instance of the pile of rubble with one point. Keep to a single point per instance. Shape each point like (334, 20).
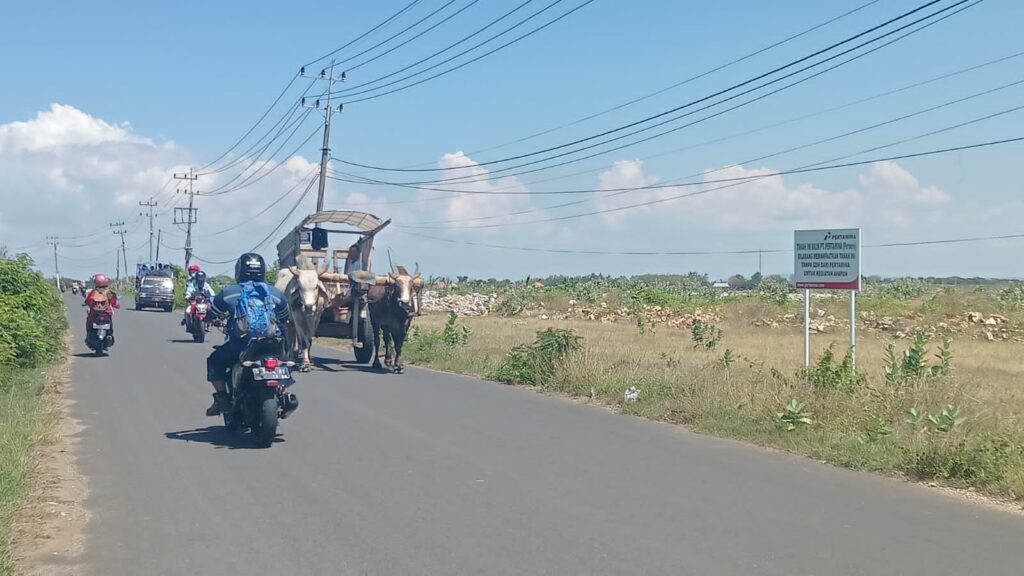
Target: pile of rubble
(652, 315)
(992, 327)
(461, 304)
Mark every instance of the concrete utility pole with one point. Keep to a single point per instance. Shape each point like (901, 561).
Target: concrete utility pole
(151, 204)
(159, 235)
(328, 75)
(187, 216)
(52, 240)
(120, 231)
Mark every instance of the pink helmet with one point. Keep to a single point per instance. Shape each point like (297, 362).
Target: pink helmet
(193, 267)
(101, 280)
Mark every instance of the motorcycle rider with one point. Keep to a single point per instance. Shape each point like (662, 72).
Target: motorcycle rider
(196, 285)
(100, 293)
(250, 267)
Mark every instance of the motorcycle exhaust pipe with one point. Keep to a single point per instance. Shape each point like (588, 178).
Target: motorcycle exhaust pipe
(290, 404)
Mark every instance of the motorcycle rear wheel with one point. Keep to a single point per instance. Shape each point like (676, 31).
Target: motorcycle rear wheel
(266, 431)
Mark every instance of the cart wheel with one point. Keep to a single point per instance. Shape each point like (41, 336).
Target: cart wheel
(364, 355)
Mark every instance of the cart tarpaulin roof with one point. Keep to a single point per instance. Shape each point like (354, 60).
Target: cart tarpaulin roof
(361, 220)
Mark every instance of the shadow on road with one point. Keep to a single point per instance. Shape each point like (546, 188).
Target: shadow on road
(335, 365)
(183, 341)
(89, 355)
(217, 436)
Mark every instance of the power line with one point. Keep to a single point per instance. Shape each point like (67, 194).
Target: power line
(267, 208)
(364, 34)
(393, 36)
(272, 232)
(253, 127)
(406, 42)
(443, 50)
(693, 102)
(255, 176)
(701, 252)
(746, 180)
(468, 62)
(676, 84)
(463, 179)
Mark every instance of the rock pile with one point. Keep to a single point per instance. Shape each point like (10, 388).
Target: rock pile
(461, 304)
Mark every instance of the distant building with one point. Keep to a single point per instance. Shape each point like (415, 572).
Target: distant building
(720, 285)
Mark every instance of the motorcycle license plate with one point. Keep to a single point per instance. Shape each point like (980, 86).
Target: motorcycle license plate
(101, 326)
(279, 373)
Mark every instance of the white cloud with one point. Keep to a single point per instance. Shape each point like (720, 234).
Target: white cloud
(69, 173)
(478, 180)
(62, 126)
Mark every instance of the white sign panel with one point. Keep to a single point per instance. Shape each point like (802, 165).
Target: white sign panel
(827, 259)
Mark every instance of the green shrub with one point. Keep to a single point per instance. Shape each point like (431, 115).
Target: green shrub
(827, 374)
(978, 461)
(538, 362)
(705, 335)
(774, 289)
(32, 321)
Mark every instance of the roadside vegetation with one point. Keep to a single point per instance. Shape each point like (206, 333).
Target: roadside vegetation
(32, 329)
(935, 395)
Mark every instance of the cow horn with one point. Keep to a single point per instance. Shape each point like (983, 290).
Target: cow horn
(293, 270)
(403, 271)
(393, 276)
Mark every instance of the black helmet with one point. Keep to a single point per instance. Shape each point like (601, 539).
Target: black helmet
(200, 278)
(250, 267)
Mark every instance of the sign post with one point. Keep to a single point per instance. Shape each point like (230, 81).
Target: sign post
(827, 260)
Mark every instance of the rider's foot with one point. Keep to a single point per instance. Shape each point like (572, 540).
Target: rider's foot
(220, 404)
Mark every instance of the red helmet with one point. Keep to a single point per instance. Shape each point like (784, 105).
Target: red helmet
(101, 280)
(193, 267)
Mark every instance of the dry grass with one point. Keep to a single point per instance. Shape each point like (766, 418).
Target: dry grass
(682, 384)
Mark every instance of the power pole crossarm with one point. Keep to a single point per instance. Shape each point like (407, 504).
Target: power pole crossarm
(188, 218)
(150, 204)
(52, 240)
(329, 111)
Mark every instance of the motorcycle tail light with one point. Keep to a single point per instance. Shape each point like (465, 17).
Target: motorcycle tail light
(270, 363)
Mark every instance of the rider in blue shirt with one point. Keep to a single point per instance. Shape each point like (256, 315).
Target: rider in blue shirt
(250, 267)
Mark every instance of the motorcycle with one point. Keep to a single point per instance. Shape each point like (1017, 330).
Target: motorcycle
(196, 323)
(100, 336)
(257, 389)
(74, 288)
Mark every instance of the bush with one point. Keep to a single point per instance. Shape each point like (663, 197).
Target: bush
(774, 289)
(826, 374)
(978, 461)
(32, 320)
(537, 363)
(424, 346)
(705, 335)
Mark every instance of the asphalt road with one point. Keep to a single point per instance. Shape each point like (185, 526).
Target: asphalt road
(427, 473)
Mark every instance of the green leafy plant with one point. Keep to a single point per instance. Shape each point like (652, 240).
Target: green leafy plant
(727, 359)
(705, 335)
(945, 358)
(947, 420)
(827, 374)
(794, 415)
(913, 362)
(538, 362)
(32, 320)
(877, 428)
(915, 417)
(774, 289)
(453, 334)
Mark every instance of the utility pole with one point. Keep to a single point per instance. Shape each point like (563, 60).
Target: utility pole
(187, 216)
(52, 240)
(159, 235)
(120, 231)
(328, 75)
(151, 204)
(759, 262)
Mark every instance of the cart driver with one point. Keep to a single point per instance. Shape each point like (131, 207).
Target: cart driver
(353, 262)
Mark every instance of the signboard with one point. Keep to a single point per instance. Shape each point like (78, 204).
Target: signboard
(827, 259)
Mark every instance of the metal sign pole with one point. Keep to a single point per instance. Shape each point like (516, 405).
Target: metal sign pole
(853, 328)
(807, 328)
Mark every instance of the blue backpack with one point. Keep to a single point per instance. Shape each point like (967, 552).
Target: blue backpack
(254, 313)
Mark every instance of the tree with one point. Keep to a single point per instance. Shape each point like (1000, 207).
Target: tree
(736, 281)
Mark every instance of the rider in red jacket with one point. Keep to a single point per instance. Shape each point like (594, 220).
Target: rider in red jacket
(99, 295)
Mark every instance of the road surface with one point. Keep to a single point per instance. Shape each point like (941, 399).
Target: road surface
(427, 473)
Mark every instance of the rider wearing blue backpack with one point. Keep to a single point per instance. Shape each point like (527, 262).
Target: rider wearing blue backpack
(253, 309)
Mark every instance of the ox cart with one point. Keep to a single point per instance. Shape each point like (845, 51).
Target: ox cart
(344, 279)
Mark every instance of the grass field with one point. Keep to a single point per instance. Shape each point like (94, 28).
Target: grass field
(23, 423)
(955, 421)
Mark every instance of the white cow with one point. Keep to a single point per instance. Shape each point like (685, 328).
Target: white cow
(307, 298)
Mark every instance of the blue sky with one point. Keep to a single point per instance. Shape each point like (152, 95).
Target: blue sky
(189, 78)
